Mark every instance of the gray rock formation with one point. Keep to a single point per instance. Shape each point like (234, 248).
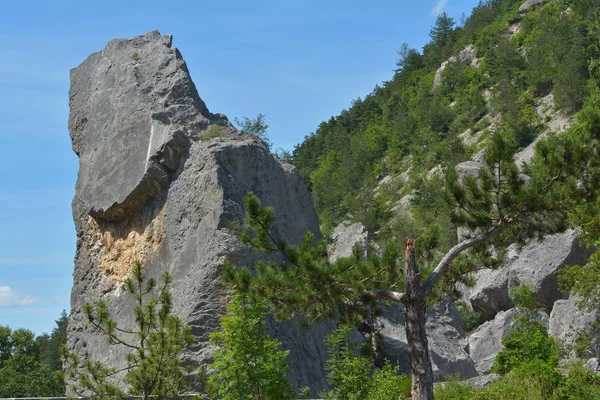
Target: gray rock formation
(445, 338)
(160, 180)
(593, 364)
(536, 265)
(466, 56)
(486, 341)
(345, 236)
(469, 168)
(567, 320)
(402, 208)
(528, 4)
(444, 329)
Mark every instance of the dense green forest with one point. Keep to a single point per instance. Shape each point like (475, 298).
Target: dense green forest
(31, 365)
(408, 125)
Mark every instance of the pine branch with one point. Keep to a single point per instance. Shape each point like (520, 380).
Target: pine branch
(454, 252)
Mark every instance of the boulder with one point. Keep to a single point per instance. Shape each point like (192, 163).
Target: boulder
(538, 262)
(486, 341)
(160, 181)
(528, 4)
(593, 364)
(345, 236)
(567, 320)
(490, 296)
(536, 265)
(444, 334)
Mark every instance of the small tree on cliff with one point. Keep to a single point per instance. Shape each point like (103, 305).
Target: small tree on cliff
(153, 368)
(499, 206)
(248, 363)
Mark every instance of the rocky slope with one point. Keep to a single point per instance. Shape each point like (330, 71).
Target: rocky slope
(160, 180)
(456, 353)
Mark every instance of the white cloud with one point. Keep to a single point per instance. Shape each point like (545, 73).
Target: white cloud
(10, 297)
(439, 7)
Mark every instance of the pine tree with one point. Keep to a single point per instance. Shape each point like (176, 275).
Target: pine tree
(441, 32)
(157, 342)
(441, 35)
(499, 206)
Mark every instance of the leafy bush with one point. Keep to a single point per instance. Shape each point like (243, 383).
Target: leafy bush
(387, 384)
(470, 318)
(528, 343)
(255, 126)
(579, 384)
(348, 372)
(248, 363)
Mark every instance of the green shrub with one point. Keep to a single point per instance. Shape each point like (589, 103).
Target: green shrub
(470, 318)
(348, 371)
(528, 342)
(455, 390)
(213, 131)
(387, 384)
(248, 364)
(579, 384)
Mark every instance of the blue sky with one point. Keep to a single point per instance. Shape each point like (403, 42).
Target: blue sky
(298, 62)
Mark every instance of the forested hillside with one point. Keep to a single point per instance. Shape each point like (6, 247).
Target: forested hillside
(502, 69)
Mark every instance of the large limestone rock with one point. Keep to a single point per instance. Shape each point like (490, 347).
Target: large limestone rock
(444, 329)
(445, 338)
(567, 320)
(160, 181)
(536, 265)
(528, 4)
(347, 235)
(486, 341)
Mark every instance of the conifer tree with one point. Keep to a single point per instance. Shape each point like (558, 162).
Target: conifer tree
(499, 206)
(441, 35)
(153, 368)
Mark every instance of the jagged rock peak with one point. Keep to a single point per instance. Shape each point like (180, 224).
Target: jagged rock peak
(133, 109)
(160, 181)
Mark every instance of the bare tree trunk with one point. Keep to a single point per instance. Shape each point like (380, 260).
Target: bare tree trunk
(418, 351)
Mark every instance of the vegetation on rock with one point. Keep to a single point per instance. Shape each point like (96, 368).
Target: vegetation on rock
(153, 367)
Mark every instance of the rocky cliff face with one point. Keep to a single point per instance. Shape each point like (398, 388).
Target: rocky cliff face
(160, 179)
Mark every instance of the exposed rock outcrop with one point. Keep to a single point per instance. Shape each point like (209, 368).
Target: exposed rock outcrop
(528, 4)
(160, 180)
(345, 236)
(486, 341)
(536, 265)
(466, 56)
(444, 330)
(445, 338)
(567, 321)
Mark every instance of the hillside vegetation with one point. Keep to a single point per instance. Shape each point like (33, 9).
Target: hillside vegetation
(503, 70)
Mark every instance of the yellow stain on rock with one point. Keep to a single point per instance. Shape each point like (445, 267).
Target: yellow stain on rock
(126, 242)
